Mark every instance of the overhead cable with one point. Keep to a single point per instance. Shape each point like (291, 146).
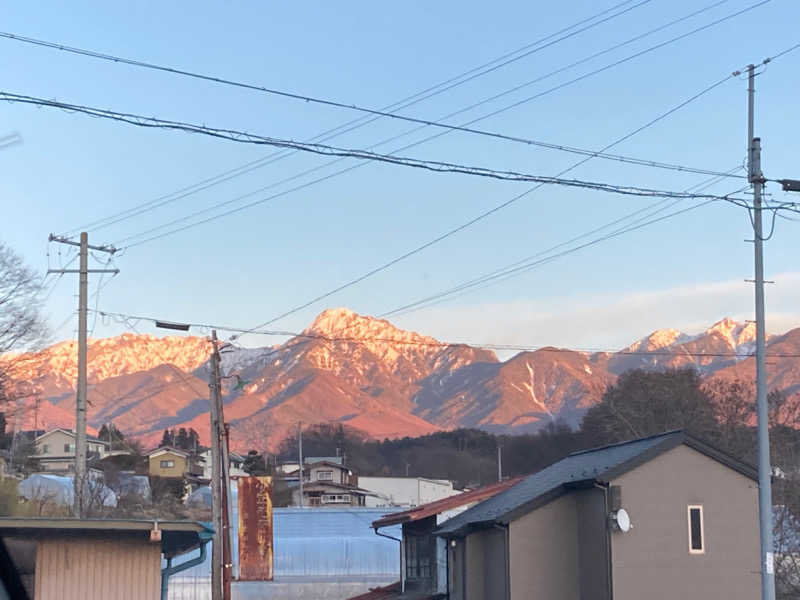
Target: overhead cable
(547, 256)
(315, 100)
(460, 79)
(429, 165)
(312, 335)
(599, 154)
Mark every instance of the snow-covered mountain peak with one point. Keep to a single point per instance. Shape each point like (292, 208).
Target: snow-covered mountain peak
(344, 323)
(661, 338)
(735, 333)
(119, 355)
(377, 336)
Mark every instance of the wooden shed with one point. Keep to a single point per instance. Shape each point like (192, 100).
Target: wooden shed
(88, 559)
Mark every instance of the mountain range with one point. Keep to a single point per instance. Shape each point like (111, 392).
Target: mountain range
(367, 374)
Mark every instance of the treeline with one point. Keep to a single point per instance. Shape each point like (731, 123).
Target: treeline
(641, 403)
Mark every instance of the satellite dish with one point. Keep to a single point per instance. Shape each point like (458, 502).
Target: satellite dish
(622, 520)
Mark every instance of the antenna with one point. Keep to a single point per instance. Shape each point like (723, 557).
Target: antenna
(621, 520)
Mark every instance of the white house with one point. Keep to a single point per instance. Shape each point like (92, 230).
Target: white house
(235, 463)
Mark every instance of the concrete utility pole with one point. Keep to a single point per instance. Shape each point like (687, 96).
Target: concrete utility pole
(79, 504)
(300, 458)
(216, 496)
(756, 177)
(499, 463)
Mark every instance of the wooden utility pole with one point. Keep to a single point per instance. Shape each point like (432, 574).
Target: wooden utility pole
(221, 559)
(79, 504)
(216, 496)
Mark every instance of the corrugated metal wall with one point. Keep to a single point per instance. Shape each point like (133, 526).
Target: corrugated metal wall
(97, 569)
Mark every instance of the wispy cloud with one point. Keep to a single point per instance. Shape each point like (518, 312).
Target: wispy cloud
(609, 321)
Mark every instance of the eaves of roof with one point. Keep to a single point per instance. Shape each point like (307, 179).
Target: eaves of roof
(436, 507)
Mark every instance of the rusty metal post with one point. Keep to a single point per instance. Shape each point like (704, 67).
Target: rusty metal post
(255, 529)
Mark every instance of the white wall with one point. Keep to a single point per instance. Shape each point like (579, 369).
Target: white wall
(405, 491)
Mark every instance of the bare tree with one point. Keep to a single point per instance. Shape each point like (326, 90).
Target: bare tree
(22, 326)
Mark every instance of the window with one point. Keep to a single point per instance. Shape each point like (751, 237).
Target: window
(324, 475)
(68, 448)
(167, 464)
(419, 554)
(45, 448)
(336, 499)
(696, 534)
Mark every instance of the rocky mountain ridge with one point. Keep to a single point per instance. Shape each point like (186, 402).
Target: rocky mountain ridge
(367, 374)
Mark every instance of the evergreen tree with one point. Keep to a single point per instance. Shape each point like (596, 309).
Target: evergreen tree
(254, 464)
(182, 439)
(194, 440)
(168, 439)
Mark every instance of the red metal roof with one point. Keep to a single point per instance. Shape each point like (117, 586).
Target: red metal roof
(434, 508)
(392, 592)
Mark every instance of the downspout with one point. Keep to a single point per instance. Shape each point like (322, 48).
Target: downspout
(170, 570)
(402, 570)
(504, 529)
(606, 512)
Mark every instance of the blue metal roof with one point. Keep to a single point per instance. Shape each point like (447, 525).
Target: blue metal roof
(320, 543)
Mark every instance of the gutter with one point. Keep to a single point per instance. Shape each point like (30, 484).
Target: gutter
(504, 529)
(609, 569)
(402, 570)
(170, 570)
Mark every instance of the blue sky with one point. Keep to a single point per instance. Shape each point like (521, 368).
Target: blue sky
(684, 272)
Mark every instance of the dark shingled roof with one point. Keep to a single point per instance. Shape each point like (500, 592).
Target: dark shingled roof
(579, 468)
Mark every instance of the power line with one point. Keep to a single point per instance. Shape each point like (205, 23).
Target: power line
(544, 257)
(310, 335)
(424, 140)
(610, 157)
(484, 214)
(354, 124)
(264, 89)
(205, 184)
(488, 213)
(322, 101)
(323, 149)
(429, 165)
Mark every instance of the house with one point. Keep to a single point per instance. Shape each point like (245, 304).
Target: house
(172, 462)
(328, 483)
(423, 555)
(405, 491)
(99, 559)
(292, 466)
(55, 450)
(662, 517)
(235, 462)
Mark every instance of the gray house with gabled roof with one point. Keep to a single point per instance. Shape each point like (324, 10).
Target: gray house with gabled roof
(662, 517)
